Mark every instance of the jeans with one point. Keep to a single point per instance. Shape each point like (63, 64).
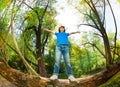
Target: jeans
(62, 50)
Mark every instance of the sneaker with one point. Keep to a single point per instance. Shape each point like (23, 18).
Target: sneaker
(71, 78)
(53, 77)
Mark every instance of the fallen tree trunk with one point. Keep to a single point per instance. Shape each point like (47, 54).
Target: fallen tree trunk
(21, 79)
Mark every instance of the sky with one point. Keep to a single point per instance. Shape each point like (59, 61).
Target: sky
(109, 21)
(69, 17)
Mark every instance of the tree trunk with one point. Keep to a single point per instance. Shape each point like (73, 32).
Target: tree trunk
(107, 49)
(41, 64)
(41, 67)
(24, 80)
(100, 27)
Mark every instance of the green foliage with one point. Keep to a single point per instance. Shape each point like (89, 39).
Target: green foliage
(32, 18)
(16, 63)
(26, 38)
(3, 38)
(50, 57)
(3, 25)
(85, 60)
(4, 4)
(111, 38)
(35, 19)
(117, 53)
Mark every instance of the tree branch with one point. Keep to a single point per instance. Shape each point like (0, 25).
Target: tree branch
(115, 37)
(44, 11)
(16, 45)
(31, 62)
(94, 45)
(89, 25)
(98, 34)
(44, 42)
(27, 5)
(96, 26)
(31, 27)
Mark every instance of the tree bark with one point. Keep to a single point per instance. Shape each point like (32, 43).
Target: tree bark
(25, 80)
(41, 67)
(41, 64)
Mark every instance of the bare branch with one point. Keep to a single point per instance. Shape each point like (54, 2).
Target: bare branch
(93, 26)
(45, 11)
(44, 42)
(115, 37)
(31, 62)
(97, 27)
(31, 27)
(94, 45)
(27, 5)
(98, 34)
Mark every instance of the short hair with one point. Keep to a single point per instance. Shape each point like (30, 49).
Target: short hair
(61, 27)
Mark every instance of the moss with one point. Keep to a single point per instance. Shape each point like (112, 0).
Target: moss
(113, 82)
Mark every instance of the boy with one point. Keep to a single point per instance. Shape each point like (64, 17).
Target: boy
(62, 49)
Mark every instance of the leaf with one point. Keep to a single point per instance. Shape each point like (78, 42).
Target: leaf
(4, 4)
(82, 2)
(31, 18)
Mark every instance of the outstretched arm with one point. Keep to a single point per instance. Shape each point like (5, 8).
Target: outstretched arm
(74, 32)
(49, 31)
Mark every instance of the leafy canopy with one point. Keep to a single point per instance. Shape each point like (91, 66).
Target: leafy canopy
(4, 4)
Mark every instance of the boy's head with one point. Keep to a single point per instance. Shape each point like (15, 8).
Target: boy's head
(61, 29)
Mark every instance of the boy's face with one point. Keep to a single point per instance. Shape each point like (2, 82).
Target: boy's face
(62, 29)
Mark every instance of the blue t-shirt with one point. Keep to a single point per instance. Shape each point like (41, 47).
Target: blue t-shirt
(62, 38)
